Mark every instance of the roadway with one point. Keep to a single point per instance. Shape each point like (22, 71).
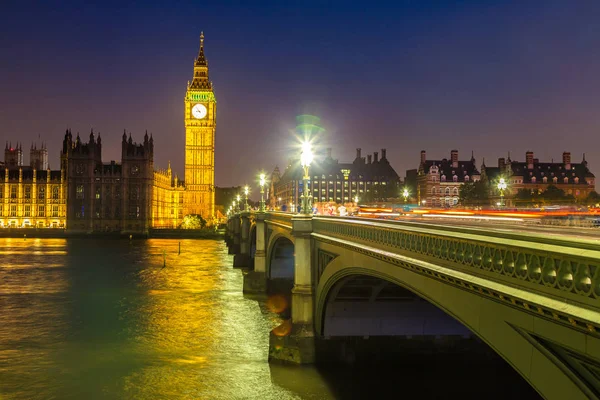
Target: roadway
(589, 237)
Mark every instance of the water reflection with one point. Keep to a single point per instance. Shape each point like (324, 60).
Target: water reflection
(105, 319)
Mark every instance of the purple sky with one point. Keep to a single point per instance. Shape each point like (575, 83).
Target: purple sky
(488, 76)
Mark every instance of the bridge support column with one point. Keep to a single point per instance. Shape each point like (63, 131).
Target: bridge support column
(256, 281)
(294, 340)
(242, 259)
(235, 231)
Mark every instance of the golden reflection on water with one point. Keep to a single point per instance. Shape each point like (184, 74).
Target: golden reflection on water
(105, 319)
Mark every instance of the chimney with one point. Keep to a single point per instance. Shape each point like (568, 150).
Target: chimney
(423, 157)
(383, 154)
(567, 160)
(501, 163)
(329, 152)
(375, 157)
(358, 154)
(529, 159)
(369, 159)
(454, 158)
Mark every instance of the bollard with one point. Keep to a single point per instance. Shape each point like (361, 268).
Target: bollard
(130, 236)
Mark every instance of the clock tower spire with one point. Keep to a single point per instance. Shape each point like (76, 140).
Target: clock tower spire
(200, 118)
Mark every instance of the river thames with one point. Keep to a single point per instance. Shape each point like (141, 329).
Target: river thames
(105, 319)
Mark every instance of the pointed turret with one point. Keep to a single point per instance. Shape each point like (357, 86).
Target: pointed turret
(200, 80)
(124, 136)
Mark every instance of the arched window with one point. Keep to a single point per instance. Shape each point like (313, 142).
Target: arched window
(555, 179)
(466, 178)
(566, 180)
(455, 191)
(545, 179)
(455, 178)
(533, 179)
(447, 191)
(443, 178)
(576, 180)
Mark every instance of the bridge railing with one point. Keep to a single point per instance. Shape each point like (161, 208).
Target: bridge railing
(560, 269)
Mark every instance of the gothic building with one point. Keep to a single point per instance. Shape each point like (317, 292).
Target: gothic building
(31, 196)
(573, 178)
(108, 197)
(439, 181)
(369, 179)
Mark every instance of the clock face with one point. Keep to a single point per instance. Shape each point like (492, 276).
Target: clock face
(199, 111)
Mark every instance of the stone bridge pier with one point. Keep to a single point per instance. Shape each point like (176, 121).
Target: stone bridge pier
(294, 340)
(242, 258)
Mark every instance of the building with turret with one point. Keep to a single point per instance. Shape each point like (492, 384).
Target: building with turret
(572, 178)
(368, 179)
(31, 196)
(108, 197)
(439, 181)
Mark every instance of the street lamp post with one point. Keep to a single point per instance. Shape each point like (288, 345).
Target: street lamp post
(405, 195)
(306, 158)
(262, 183)
(233, 207)
(246, 191)
(238, 202)
(502, 187)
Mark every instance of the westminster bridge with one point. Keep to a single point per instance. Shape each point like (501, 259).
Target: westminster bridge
(534, 299)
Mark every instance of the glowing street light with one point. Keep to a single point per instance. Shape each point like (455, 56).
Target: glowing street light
(238, 197)
(306, 158)
(356, 199)
(502, 187)
(262, 182)
(405, 194)
(246, 191)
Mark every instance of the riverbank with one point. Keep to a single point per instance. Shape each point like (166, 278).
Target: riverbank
(49, 233)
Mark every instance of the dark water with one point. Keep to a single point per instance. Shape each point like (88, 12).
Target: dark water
(102, 319)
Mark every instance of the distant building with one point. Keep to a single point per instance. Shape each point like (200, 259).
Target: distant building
(38, 158)
(370, 179)
(439, 181)
(13, 156)
(224, 197)
(31, 197)
(272, 200)
(573, 178)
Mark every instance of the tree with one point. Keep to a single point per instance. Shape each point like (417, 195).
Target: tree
(552, 193)
(526, 197)
(474, 193)
(593, 198)
(193, 221)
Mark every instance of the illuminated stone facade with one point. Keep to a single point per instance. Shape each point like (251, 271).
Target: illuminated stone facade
(371, 179)
(167, 199)
(108, 197)
(532, 175)
(439, 181)
(200, 114)
(31, 197)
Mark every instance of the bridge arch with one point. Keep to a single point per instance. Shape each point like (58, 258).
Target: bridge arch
(279, 244)
(507, 331)
(280, 258)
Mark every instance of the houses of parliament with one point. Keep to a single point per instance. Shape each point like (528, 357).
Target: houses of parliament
(88, 195)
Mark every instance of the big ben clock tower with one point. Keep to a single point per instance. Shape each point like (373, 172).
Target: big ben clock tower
(200, 123)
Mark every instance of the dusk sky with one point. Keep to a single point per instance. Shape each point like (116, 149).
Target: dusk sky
(487, 76)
